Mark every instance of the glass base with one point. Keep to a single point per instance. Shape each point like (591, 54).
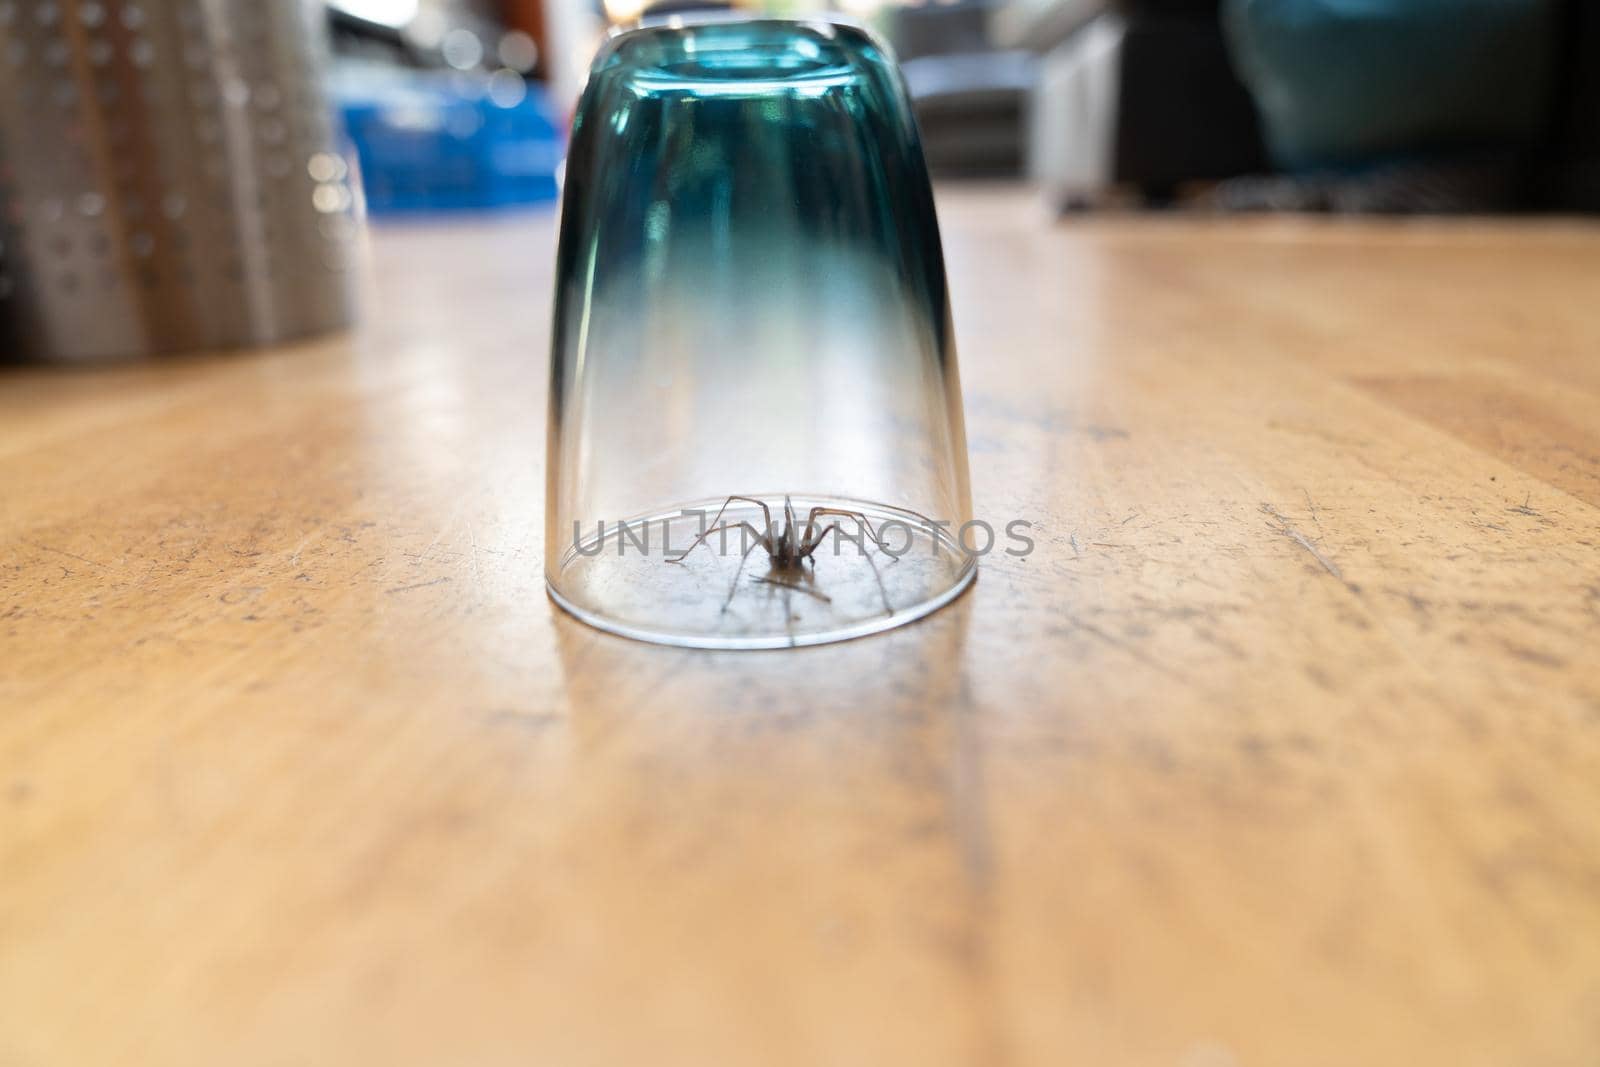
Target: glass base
(729, 592)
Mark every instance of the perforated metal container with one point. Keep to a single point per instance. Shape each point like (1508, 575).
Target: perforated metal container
(168, 178)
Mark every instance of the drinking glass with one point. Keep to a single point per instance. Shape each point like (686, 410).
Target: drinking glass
(752, 354)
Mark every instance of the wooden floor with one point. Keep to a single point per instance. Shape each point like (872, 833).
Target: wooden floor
(1282, 749)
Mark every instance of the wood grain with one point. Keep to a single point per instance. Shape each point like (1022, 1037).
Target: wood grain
(1283, 748)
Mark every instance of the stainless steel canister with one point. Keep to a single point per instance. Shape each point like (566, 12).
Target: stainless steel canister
(168, 177)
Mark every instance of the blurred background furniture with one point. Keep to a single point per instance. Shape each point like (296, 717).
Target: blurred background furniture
(1343, 83)
(1130, 92)
(169, 180)
(446, 104)
(1569, 174)
(1095, 99)
(1421, 105)
(970, 95)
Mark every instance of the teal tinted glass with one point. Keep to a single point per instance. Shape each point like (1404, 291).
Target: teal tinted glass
(750, 301)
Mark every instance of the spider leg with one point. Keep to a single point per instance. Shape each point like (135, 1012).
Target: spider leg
(888, 608)
(761, 539)
(733, 586)
(788, 613)
(796, 588)
(810, 545)
(766, 513)
(712, 527)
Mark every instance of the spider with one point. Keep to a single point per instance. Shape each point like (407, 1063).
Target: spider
(791, 547)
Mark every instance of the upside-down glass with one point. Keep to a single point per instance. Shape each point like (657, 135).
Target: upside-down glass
(750, 301)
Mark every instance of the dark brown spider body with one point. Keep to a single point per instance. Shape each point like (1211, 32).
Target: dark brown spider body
(787, 548)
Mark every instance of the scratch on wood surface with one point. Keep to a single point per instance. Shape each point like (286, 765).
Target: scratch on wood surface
(1288, 530)
(1128, 647)
(1524, 509)
(477, 567)
(1321, 533)
(444, 528)
(418, 585)
(294, 553)
(69, 555)
(1077, 553)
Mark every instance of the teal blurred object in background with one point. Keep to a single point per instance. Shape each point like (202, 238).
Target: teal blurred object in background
(750, 299)
(1352, 82)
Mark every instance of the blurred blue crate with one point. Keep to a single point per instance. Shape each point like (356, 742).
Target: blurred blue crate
(431, 142)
